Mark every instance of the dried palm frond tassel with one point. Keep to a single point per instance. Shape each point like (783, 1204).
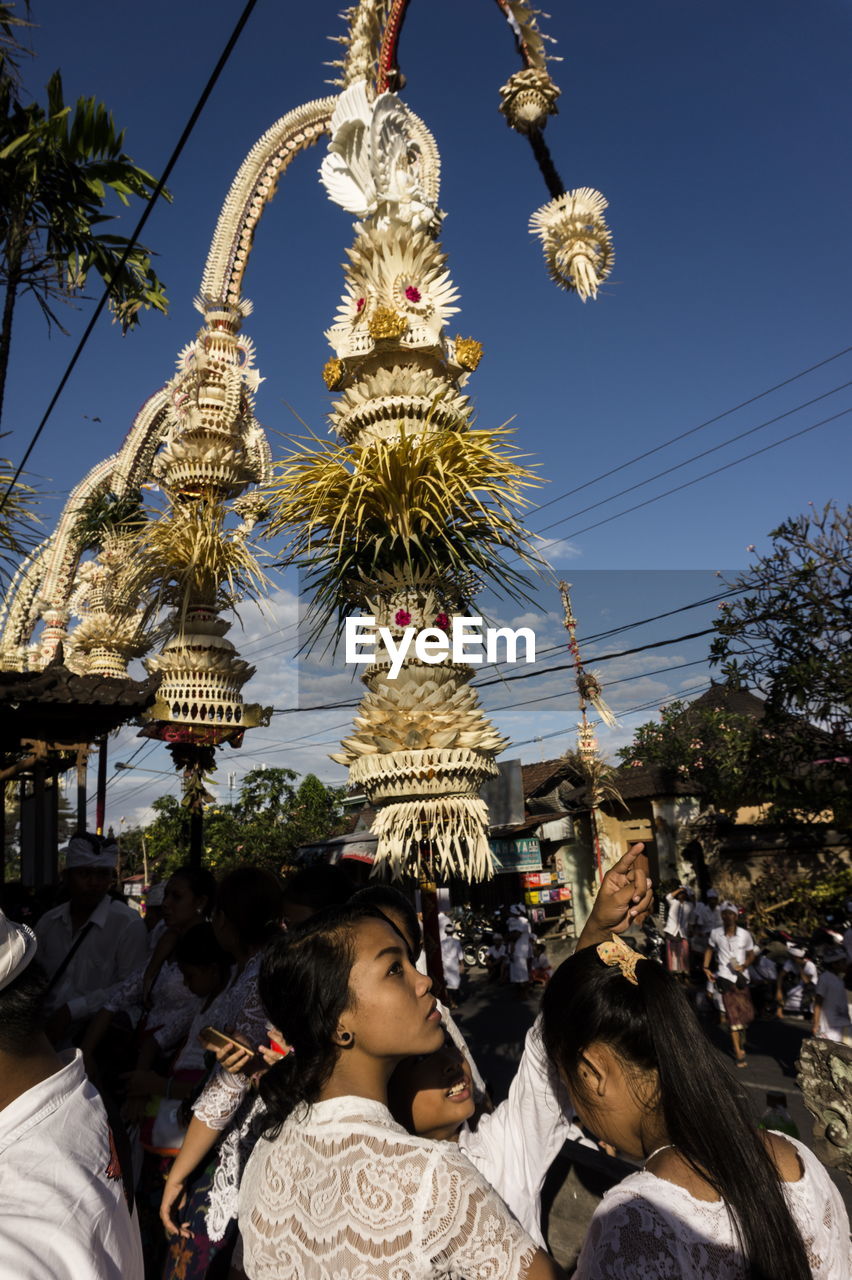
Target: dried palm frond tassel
(576, 240)
(589, 688)
(455, 828)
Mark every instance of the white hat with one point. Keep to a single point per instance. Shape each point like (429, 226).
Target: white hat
(156, 895)
(798, 953)
(729, 906)
(516, 909)
(712, 893)
(87, 851)
(17, 948)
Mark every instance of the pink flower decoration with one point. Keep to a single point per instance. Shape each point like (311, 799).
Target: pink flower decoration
(412, 293)
(403, 618)
(442, 621)
(359, 305)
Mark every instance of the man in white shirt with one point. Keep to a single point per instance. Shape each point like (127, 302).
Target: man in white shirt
(831, 1004)
(108, 940)
(63, 1212)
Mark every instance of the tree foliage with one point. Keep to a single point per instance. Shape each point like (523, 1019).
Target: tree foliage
(712, 748)
(59, 167)
(273, 814)
(788, 636)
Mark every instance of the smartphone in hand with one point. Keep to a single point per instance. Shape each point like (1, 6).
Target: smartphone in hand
(216, 1039)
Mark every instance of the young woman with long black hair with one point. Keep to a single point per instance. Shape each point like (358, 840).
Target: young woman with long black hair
(715, 1199)
(336, 1187)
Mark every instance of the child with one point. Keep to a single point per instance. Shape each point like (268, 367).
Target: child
(541, 966)
(496, 959)
(452, 955)
(512, 1147)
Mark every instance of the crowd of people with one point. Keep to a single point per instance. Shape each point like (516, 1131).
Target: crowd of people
(261, 1083)
(708, 938)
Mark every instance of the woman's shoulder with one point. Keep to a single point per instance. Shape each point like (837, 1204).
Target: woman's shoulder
(796, 1163)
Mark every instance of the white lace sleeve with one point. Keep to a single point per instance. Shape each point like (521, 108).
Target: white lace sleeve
(172, 1026)
(468, 1233)
(124, 995)
(629, 1240)
(224, 1092)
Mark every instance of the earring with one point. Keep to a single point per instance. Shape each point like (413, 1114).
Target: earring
(346, 1037)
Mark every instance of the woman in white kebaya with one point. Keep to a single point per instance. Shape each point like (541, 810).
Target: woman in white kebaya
(715, 1199)
(336, 1188)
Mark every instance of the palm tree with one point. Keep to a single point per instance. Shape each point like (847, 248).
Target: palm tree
(58, 165)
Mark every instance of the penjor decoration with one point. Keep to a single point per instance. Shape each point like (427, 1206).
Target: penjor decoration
(405, 516)
(392, 521)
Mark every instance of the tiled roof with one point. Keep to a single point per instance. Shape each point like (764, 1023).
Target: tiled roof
(55, 705)
(637, 783)
(544, 775)
(721, 697)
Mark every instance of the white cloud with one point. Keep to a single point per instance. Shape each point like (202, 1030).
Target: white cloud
(558, 550)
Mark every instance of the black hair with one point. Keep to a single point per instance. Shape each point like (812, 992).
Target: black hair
(651, 1026)
(319, 886)
(252, 901)
(199, 946)
(386, 897)
(304, 988)
(22, 1009)
(202, 883)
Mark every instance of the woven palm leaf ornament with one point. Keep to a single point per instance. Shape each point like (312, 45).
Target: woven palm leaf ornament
(394, 519)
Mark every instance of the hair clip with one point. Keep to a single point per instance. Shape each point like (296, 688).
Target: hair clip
(617, 953)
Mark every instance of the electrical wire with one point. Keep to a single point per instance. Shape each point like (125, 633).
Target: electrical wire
(741, 435)
(609, 684)
(631, 711)
(691, 432)
(146, 213)
(573, 533)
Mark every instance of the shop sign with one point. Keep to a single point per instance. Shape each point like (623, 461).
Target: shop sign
(523, 854)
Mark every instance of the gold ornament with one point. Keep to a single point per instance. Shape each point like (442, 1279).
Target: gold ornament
(386, 323)
(468, 353)
(332, 372)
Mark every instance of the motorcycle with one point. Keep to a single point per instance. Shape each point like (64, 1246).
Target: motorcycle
(475, 937)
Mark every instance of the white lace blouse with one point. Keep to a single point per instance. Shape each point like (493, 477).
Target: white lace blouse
(344, 1193)
(650, 1229)
(227, 1102)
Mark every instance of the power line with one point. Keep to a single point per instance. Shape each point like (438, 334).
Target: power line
(691, 432)
(604, 657)
(631, 711)
(526, 675)
(707, 474)
(741, 435)
(609, 684)
(157, 192)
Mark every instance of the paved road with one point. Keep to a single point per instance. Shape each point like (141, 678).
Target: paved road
(495, 1021)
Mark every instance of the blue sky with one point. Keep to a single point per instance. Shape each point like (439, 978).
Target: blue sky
(719, 133)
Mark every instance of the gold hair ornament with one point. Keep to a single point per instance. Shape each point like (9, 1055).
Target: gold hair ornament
(618, 953)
